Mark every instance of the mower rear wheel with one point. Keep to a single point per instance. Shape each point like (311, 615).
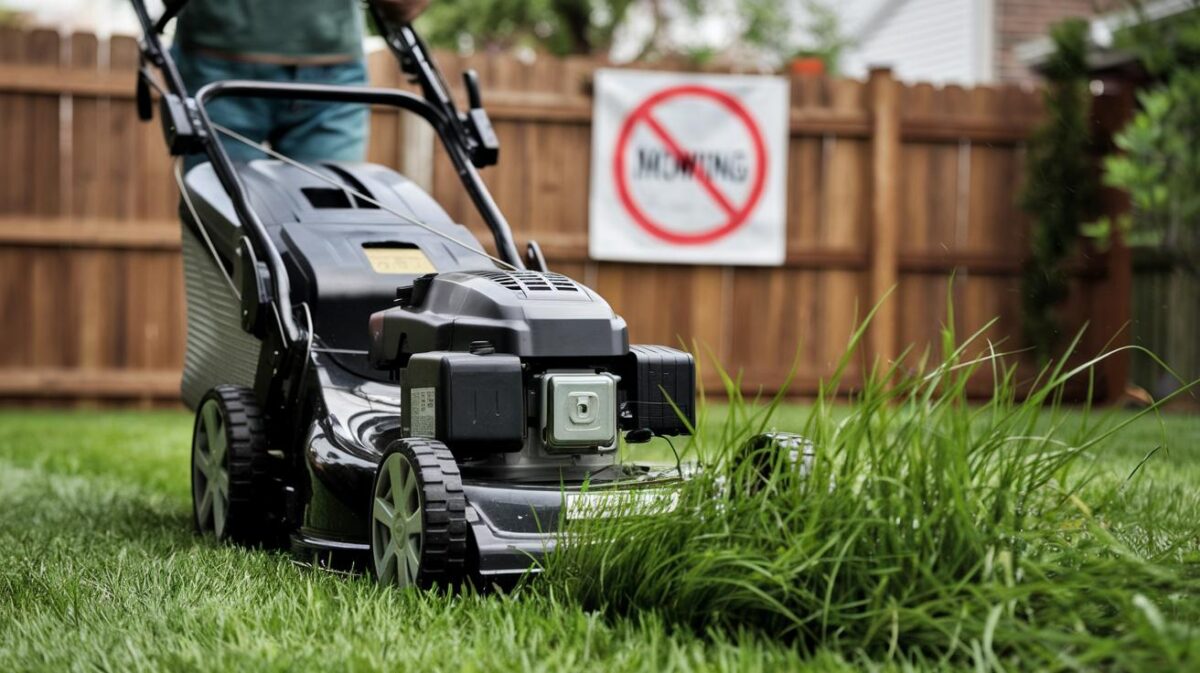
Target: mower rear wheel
(232, 473)
(418, 516)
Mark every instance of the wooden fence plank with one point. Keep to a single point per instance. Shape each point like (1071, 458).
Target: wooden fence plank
(1111, 307)
(49, 323)
(553, 107)
(885, 213)
(14, 126)
(86, 184)
(929, 210)
(15, 304)
(876, 199)
(58, 383)
(90, 232)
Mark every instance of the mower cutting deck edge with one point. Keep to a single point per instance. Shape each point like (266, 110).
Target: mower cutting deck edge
(371, 386)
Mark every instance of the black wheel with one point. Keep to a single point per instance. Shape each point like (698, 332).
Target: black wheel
(234, 492)
(771, 453)
(418, 516)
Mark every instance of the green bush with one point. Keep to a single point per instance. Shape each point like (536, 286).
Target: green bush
(1059, 187)
(1159, 167)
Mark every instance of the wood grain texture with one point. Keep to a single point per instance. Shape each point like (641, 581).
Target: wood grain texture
(886, 178)
(910, 196)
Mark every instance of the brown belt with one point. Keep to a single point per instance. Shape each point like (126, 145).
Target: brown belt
(275, 59)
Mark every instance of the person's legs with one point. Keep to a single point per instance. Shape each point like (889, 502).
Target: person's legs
(250, 117)
(311, 131)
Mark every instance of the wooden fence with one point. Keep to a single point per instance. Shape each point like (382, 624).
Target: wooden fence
(891, 186)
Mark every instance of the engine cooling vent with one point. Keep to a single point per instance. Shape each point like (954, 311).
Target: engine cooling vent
(531, 282)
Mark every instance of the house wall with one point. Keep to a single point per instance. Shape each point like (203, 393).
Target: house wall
(953, 41)
(1018, 21)
(922, 40)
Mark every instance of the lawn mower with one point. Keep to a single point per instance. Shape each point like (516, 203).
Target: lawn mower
(371, 386)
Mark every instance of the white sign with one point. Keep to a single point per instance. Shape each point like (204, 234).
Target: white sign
(689, 169)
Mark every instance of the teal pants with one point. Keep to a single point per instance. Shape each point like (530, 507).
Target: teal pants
(308, 131)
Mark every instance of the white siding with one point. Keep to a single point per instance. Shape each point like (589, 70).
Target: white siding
(940, 41)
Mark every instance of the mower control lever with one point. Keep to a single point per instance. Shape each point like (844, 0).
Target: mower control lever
(471, 84)
(171, 9)
(145, 105)
(534, 258)
(484, 146)
(473, 129)
(181, 126)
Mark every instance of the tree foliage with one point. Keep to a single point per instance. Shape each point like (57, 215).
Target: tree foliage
(1059, 187)
(1166, 45)
(774, 29)
(559, 26)
(1158, 163)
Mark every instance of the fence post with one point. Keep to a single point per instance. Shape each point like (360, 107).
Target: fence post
(884, 94)
(1111, 113)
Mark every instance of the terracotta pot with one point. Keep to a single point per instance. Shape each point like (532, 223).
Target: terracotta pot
(807, 65)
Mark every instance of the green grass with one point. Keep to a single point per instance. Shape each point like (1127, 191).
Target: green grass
(99, 570)
(930, 531)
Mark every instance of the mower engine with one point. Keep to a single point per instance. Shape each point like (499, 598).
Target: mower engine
(523, 362)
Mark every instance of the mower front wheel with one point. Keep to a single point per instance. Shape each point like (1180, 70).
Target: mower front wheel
(232, 472)
(418, 516)
(774, 453)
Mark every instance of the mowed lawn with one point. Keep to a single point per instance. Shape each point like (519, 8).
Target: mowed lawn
(100, 570)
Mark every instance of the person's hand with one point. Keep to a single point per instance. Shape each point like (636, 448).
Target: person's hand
(401, 11)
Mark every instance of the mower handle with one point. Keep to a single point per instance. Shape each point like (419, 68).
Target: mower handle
(460, 156)
(468, 139)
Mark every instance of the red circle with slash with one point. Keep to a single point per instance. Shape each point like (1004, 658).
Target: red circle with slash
(736, 215)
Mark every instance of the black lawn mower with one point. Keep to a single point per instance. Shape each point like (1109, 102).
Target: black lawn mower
(371, 387)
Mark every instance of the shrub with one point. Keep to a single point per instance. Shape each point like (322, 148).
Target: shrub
(1059, 186)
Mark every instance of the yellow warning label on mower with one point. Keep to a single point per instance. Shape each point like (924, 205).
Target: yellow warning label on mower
(396, 259)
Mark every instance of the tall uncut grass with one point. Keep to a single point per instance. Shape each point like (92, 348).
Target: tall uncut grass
(929, 530)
